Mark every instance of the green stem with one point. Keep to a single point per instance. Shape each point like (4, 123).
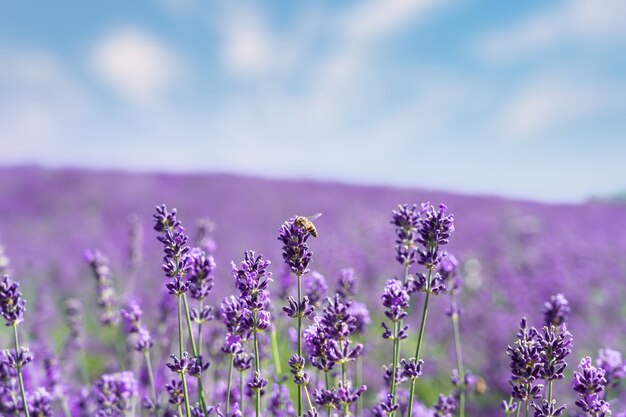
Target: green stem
(526, 409)
(308, 397)
(299, 338)
(19, 370)
(396, 355)
(327, 378)
(550, 392)
(257, 364)
(459, 362)
(188, 318)
(230, 376)
(180, 411)
(519, 408)
(241, 391)
(346, 411)
(200, 330)
(420, 339)
(275, 353)
(180, 328)
(64, 407)
(146, 354)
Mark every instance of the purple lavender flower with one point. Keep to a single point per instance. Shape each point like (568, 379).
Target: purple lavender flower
(12, 305)
(406, 220)
(113, 393)
(346, 285)
(257, 383)
(106, 294)
(316, 288)
(554, 347)
(614, 367)
(446, 404)
(435, 228)
(548, 409)
(295, 249)
(201, 274)
(556, 310)
(176, 395)
(409, 369)
(300, 377)
(132, 316)
(590, 383)
(40, 403)
(526, 364)
(316, 343)
(279, 403)
(362, 317)
(396, 300)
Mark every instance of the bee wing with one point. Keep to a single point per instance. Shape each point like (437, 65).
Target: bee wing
(314, 217)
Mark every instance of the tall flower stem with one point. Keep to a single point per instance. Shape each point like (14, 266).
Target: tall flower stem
(188, 318)
(459, 363)
(327, 378)
(299, 338)
(230, 377)
(420, 339)
(275, 353)
(180, 327)
(308, 398)
(359, 382)
(519, 408)
(257, 364)
(550, 391)
(194, 349)
(186, 394)
(19, 370)
(146, 354)
(396, 358)
(241, 391)
(346, 411)
(526, 408)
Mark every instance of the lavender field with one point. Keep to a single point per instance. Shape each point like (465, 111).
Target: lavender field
(104, 309)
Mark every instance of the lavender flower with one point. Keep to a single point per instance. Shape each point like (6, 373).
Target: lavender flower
(201, 274)
(406, 220)
(548, 409)
(316, 288)
(590, 383)
(279, 403)
(556, 310)
(295, 249)
(113, 393)
(446, 404)
(554, 347)
(12, 305)
(106, 294)
(526, 364)
(435, 228)
(40, 403)
(346, 284)
(614, 367)
(300, 377)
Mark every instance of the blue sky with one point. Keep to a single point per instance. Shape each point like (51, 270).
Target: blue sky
(522, 99)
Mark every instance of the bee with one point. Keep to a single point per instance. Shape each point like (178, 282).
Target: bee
(307, 223)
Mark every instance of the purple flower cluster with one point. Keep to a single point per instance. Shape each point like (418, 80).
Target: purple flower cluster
(113, 394)
(589, 383)
(12, 304)
(296, 251)
(177, 262)
(407, 220)
(99, 265)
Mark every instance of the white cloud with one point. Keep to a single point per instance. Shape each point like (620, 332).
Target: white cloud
(578, 20)
(137, 65)
(41, 105)
(247, 44)
(374, 19)
(552, 102)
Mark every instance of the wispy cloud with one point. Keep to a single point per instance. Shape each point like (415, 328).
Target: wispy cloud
(136, 64)
(597, 21)
(41, 106)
